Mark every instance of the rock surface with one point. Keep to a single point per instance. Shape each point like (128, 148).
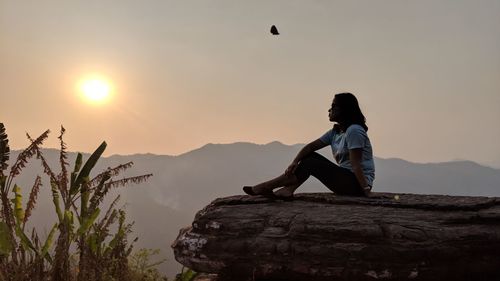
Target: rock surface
(320, 236)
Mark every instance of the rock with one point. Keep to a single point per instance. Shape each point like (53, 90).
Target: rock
(320, 236)
(206, 277)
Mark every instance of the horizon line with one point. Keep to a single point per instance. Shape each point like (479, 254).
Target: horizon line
(265, 144)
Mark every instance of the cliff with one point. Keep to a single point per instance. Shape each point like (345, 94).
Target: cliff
(320, 236)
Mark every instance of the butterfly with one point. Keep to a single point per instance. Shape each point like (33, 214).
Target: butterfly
(274, 30)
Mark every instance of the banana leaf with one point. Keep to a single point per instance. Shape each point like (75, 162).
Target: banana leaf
(5, 242)
(48, 244)
(55, 200)
(84, 201)
(4, 149)
(68, 219)
(72, 188)
(89, 165)
(92, 241)
(25, 241)
(78, 164)
(3, 179)
(88, 221)
(18, 204)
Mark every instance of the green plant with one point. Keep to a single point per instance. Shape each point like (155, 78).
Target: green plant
(142, 268)
(186, 274)
(77, 200)
(21, 256)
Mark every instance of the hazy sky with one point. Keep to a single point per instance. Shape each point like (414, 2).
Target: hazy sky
(187, 73)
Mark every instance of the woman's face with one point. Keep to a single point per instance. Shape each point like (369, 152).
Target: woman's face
(334, 112)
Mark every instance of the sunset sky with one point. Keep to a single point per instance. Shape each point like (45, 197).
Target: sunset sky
(185, 73)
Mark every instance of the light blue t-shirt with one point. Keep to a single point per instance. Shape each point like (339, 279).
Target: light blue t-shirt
(354, 137)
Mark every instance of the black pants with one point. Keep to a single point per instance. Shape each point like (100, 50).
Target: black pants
(339, 180)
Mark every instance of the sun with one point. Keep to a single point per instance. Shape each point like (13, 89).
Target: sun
(95, 89)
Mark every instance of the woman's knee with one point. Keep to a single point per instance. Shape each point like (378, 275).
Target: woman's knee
(311, 157)
(314, 155)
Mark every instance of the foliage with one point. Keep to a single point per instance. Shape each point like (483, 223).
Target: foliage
(77, 200)
(142, 268)
(186, 274)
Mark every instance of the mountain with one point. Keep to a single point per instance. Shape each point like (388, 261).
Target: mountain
(184, 184)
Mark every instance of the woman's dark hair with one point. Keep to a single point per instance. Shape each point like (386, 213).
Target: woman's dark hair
(350, 113)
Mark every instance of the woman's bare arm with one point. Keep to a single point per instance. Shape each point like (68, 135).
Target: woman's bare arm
(310, 147)
(355, 156)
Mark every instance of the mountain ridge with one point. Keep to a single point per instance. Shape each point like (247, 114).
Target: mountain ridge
(272, 143)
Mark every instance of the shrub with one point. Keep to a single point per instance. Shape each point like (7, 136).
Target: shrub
(77, 200)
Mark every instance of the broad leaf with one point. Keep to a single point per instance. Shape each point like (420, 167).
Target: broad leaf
(4, 149)
(89, 165)
(87, 222)
(25, 241)
(48, 243)
(92, 241)
(18, 207)
(5, 242)
(78, 164)
(55, 200)
(68, 218)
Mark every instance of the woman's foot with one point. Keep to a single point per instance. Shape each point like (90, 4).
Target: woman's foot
(254, 191)
(249, 190)
(286, 192)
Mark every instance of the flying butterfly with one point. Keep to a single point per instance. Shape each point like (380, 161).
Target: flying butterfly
(274, 30)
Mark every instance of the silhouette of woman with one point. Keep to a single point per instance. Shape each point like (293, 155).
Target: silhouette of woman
(351, 149)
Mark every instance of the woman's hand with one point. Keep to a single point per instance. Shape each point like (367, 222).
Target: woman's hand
(310, 147)
(367, 191)
(291, 169)
(355, 156)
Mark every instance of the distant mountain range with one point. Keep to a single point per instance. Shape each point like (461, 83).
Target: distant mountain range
(184, 184)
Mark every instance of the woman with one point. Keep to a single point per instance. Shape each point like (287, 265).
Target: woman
(351, 148)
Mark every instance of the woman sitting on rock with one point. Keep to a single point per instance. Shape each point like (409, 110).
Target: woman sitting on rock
(351, 148)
